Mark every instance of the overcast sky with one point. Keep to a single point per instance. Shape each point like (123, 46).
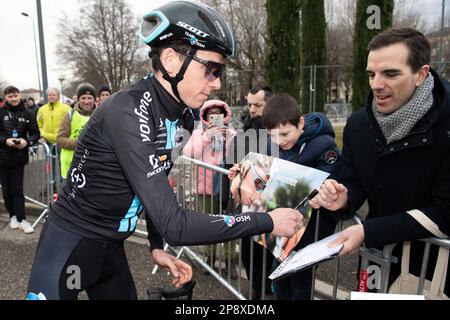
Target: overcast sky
(17, 54)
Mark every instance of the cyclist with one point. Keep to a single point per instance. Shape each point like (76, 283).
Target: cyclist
(121, 161)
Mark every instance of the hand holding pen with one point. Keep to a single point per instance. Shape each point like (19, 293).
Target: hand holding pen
(305, 200)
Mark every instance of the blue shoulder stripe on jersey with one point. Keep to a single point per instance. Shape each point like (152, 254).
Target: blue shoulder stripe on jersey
(171, 128)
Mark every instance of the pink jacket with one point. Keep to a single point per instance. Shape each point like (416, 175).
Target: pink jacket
(199, 146)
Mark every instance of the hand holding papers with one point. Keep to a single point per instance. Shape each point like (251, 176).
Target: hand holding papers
(306, 257)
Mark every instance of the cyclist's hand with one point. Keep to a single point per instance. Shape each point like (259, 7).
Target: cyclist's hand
(286, 222)
(181, 271)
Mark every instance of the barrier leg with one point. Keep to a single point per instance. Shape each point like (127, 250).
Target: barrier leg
(43, 214)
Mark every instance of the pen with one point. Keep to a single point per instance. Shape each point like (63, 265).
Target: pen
(305, 200)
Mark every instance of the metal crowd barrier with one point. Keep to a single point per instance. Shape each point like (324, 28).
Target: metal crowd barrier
(384, 258)
(41, 177)
(37, 178)
(185, 180)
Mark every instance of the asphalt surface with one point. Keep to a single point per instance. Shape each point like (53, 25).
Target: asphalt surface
(17, 251)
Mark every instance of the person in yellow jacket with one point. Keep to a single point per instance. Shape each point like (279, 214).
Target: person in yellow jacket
(49, 116)
(73, 123)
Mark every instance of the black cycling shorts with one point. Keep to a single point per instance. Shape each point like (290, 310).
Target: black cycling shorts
(66, 264)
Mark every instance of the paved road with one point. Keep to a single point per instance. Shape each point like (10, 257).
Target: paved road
(17, 251)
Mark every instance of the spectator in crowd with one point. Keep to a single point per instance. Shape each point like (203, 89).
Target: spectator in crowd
(18, 131)
(32, 106)
(307, 140)
(74, 101)
(257, 98)
(209, 144)
(49, 119)
(396, 153)
(73, 124)
(49, 116)
(104, 92)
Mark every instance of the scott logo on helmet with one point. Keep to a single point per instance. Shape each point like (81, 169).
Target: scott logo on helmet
(192, 29)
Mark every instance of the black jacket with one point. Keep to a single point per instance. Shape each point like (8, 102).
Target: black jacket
(33, 110)
(413, 173)
(120, 166)
(252, 138)
(316, 147)
(410, 174)
(24, 123)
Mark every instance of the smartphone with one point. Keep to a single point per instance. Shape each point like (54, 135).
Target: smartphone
(217, 120)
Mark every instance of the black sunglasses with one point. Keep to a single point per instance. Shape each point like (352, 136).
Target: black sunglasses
(213, 70)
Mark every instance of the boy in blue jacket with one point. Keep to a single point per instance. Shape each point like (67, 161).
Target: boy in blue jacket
(307, 140)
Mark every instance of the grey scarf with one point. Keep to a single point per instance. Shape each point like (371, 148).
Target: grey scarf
(397, 125)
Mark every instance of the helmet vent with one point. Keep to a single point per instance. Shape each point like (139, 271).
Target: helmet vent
(149, 25)
(211, 26)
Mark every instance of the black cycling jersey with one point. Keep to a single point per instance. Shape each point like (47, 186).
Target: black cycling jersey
(120, 168)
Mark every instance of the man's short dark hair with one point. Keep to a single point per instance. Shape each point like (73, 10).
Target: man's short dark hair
(155, 54)
(280, 109)
(267, 91)
(418, 46)
(10, 89)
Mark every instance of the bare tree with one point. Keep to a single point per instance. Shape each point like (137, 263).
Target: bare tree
(341, 12)
(408, 13)
(247, 19)
(340, 31)
(101, 45)
(2, 86)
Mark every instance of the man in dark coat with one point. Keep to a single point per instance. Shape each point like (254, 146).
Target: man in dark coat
(18, 131)
(32, 107)
(396, 152)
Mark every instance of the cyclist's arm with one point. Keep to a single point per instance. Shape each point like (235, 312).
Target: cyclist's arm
(130, 132)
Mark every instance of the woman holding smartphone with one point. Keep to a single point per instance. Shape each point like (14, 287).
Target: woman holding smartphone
(209, 144)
